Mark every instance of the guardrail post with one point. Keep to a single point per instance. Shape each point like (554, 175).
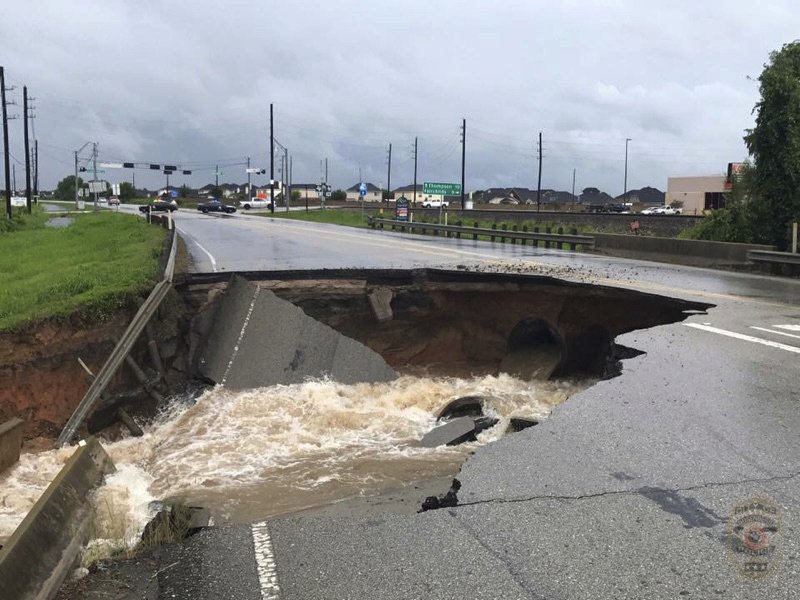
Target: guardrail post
(458, 233)
(560, 246)
(494, 226)
(503, 238)
(475, 235)
(573, 245)
(523, 241)
(514, 229)
(547, 242)
(535, 242)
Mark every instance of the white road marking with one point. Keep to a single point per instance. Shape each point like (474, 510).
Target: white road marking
(791, 335)
(746, 338)
(196, 243)
(241, 334)
(788, 327)
(265, 562)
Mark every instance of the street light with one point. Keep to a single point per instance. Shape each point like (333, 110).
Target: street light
(625, 190)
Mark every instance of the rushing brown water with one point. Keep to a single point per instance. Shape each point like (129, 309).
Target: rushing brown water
(263, 452)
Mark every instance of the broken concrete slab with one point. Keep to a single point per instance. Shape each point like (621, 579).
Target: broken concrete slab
(451, 433)
(516, 424)
(466, 406)
(258, 339)
(380, 301)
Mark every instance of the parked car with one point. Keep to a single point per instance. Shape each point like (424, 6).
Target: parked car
(435, 204)
(159, 206)
(669, 210)
(653, 210)
(255, 203)
(113, 201)
(216, 206)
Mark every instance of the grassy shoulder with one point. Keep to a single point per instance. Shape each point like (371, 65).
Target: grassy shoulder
(94, 266)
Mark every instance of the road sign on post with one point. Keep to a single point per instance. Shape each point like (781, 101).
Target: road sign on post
(362, 190)
(441, 189)
(401, 209)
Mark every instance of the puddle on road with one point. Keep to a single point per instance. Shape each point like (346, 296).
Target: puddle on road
(259, 453)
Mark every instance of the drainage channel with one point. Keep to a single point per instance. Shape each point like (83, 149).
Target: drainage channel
(331, 381)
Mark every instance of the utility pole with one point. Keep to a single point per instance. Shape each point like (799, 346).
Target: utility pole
(573, 182)
(5, 140)
(36, 168)
(539, 185)
(389, 174)
(27, 149)
(463, 158)
(416, 139)
(76, 180)
(248, 178)
(271, 162)
(326, 169)
(625, 185)
(289, 197)
(216, 175)
(94, 169)
(13, 180)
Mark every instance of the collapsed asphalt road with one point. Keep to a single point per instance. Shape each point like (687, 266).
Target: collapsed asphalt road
(677, 479)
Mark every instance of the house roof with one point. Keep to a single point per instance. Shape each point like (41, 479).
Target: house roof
(408, 188)
(646, 195)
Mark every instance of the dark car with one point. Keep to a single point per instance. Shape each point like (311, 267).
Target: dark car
(159, 206)
(216, 206)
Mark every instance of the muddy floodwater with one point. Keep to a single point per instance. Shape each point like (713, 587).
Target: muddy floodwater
(268, 451)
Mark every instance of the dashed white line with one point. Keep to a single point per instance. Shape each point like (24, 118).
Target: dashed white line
(746, 338)
(791, 335)
(788, 327)
(265, 562)
(196, 243)
(241, 334)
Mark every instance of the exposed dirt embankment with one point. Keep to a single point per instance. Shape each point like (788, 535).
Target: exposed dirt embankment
(41, 380)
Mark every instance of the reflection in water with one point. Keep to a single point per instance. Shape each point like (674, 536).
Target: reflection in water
(262, 452)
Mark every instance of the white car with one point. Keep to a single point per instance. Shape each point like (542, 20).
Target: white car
(435, 204)
(653, 210)
(255, 203)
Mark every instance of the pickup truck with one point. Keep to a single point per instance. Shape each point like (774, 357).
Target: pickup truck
(435, 204)
(255, 203)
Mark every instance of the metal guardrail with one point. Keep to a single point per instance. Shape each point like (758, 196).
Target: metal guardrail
(768, 256)
(121, 350)
(549, 238)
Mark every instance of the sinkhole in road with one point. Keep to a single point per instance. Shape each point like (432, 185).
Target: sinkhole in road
(525, 344)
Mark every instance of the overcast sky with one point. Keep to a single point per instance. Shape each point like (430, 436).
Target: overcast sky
(190, 83)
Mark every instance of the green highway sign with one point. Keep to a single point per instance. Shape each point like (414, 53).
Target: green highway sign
(441, 189)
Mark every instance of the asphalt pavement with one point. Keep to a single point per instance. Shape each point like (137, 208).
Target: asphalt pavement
(678, 479)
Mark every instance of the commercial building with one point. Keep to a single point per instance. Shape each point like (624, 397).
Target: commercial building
(697, 194)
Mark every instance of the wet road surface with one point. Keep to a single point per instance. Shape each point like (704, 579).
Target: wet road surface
(629, 490)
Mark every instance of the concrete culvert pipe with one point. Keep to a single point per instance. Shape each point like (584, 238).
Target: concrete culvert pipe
(534, 350)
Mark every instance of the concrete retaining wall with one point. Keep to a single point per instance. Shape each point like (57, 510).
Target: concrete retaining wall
(10, 442)
(699, 253)
(43, 549)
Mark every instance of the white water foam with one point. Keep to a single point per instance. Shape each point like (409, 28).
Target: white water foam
(253, 454)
